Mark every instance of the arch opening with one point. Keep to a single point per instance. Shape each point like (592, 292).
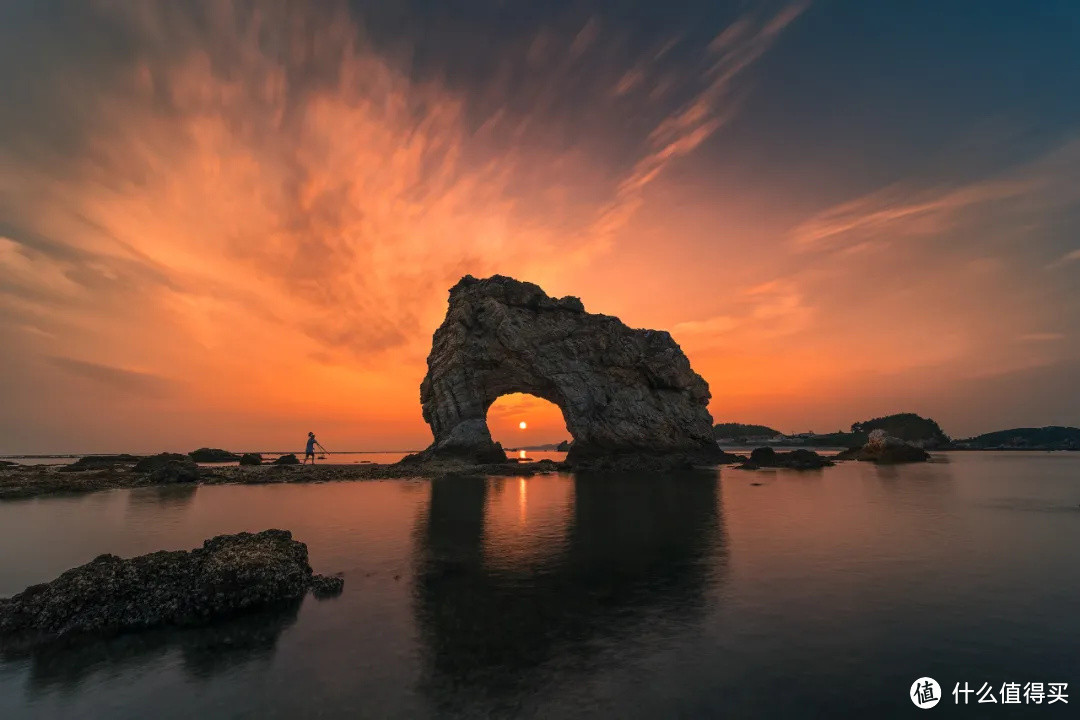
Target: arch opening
(544, 423)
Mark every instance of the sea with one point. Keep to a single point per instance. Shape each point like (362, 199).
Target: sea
(841, 592)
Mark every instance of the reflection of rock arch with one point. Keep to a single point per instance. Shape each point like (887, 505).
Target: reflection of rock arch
(620, 390)
(637, 555)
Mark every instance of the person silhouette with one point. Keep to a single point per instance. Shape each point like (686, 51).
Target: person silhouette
(309, 451)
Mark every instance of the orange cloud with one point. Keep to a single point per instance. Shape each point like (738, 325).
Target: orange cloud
(255, 227)
(267, 212)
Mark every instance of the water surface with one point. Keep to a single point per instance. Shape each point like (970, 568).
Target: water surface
(698, 595)
(333, 458)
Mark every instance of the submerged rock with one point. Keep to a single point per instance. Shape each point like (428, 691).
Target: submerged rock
(213, 455)
(799, 459)
(622, 392)
(885, 449)
(156, 462)
(289, 459)
(228, 575)
(251, 459)
(100, 462)
(324, 586)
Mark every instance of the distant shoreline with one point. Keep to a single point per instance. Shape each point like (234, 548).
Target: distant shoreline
(735, 446)
(18, 482)
(66, 456)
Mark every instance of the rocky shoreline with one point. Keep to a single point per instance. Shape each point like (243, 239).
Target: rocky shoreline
(129, 471)
(28, 481)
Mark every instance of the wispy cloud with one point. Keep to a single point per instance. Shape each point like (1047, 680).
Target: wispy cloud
(759, 314)
(1041, 337)
(251, 187)
(912, 209)
(128, 381)
(280, 159)
(1065, 259)
(902, 209)
(681, 132)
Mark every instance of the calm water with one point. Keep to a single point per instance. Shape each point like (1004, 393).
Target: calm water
(814, 594)
(336, 458)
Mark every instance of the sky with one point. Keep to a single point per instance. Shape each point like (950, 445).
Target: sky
(228, 223)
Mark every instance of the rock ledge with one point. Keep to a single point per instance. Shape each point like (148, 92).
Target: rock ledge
(228, 575)
(885, 449)
(798, 459)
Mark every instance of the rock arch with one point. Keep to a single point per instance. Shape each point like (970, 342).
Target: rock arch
(621, 391)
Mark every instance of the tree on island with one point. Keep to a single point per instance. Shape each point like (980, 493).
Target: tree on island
(737, 431)
(1054, 437)
(909, 427)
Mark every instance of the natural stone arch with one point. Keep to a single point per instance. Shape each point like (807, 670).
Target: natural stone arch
(621, 391)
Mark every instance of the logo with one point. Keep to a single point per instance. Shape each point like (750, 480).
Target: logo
(925, 693)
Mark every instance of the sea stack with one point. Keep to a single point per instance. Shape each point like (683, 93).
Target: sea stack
(625, 394)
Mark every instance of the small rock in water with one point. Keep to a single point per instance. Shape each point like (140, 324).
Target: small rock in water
(885, 449)
(326, 586)
(799, 459)
(251, 459)
(289, 459)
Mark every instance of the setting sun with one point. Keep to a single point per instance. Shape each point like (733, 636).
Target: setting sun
(522, 425)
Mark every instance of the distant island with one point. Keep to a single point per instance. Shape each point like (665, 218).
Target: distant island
(738, 432)
(559, 446)
(909, 427)
(1053, 437)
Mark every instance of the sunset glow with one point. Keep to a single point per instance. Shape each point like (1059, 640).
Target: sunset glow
(673, 358)
(241, 225)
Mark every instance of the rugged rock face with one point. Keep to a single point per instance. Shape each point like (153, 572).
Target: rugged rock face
(213, 455)
(799, 459)
(622, 391)
(884, 449)
(251, 459)
(229, 574)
